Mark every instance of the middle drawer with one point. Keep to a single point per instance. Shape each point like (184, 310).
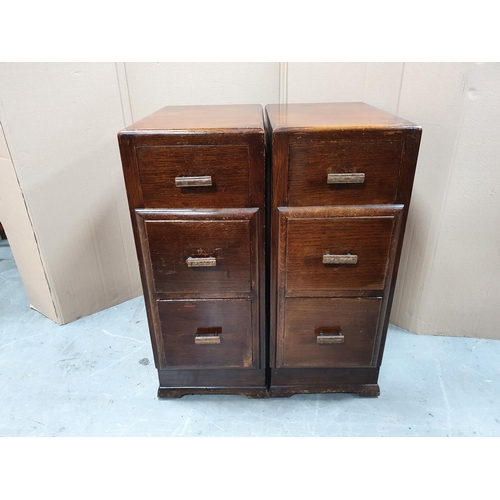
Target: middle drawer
(201, 253)
(327, 250)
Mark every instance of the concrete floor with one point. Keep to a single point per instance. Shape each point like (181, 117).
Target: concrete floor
(95, 377)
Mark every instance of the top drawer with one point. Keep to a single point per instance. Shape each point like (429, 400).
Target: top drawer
(326, 172)
(194, 176)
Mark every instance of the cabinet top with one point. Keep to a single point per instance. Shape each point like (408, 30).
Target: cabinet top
(224, 118)
(339, 115)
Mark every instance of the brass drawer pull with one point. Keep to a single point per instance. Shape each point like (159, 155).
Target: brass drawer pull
(340, 259)
(202, 180)
(352, 178)
(201, 261)
(207, 338)
(208, 335)
(337, 338)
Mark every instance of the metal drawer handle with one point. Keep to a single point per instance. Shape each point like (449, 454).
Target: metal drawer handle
(337, 338)
(340, 259)
(208, 335)
(351, 178)
(202, 180)
(207, 338)
(201, 261)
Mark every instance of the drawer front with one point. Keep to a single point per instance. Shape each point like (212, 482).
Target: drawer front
(329, 332)
(209, 257)
(194, 176)
(343, 172)
(206, 333)
(331, 250)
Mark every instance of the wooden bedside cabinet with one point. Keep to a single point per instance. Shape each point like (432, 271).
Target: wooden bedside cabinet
(342, 176)
(195, 184)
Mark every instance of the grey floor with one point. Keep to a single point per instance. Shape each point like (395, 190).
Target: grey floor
(95, 377)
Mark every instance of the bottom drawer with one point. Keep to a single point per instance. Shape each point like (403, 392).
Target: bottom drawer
(329, 332)
(207, 333)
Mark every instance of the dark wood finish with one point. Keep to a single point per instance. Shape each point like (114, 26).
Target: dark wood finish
(311, 160)
(362, 390)
(207, 322)
(307, 320)
(174, 237)
(229, 320)
(226, 166)
(339, 180)
(178, 383)
(3, 236)
(364, 217)
(289, 381)
(312, 235)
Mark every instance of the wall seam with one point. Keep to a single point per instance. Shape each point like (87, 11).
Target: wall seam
(283, 83)
(123, 90)
(400, 87)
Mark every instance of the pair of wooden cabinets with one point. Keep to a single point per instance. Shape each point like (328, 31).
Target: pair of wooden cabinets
(268, 243)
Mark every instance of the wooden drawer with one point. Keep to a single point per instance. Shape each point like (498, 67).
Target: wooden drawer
(206, 333)
(194, 176)
(343, 172)
(201, 253)
(329, 332)
(337, 249)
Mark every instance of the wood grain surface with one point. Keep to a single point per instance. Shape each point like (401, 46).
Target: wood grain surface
(177, 229)
(346, 298)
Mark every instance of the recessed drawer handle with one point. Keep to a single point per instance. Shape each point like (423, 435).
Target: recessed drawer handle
(352, 178)
(340, 259)
(209, 335)
(337, 338)
(202, 180)
(201, 261)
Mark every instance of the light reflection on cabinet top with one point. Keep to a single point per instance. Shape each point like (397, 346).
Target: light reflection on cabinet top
(223, 118)
(327, 116)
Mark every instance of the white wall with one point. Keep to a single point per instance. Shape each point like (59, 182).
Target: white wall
(61, 120)
(154, 85)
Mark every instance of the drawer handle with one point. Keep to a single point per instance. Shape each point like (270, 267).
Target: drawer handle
(337, 338)
(207, 338)
(208, 335)
(352, 178)
(202, 180)
(201, 261)
(340, 259)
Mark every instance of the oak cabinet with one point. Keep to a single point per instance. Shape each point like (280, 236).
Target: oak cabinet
(269, 243)
(342, 175)
(195, 180)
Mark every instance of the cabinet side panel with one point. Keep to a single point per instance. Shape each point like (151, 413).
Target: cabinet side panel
(134, 196)
(278, 198)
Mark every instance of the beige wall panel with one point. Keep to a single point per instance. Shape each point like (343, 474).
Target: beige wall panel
(16, 222)
(432, 95)
(377, 84)
(155, 85)
(325, 82)
(61, 121)
(382, 85)
(462, 290)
